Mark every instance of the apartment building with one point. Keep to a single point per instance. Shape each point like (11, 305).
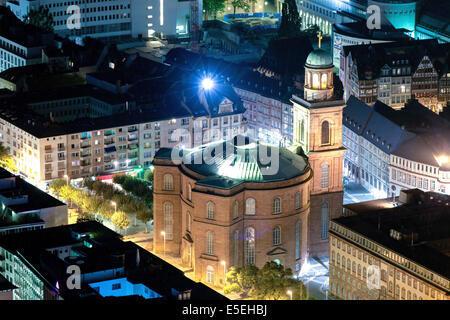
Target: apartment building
(374, 255)
(20, 44)
(395, 72)
(106, 138)
(389, 150)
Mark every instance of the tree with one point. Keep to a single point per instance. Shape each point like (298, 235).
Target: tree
(291, 22)
(241, 4)
(271, 282)
(148, 175)
(40, 18)
(144, 216)
(241, 279)
(213, 7)
(106, 210)
(6, 159)
(121, 220)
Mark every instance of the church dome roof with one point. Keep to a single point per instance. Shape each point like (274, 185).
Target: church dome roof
(319, 58)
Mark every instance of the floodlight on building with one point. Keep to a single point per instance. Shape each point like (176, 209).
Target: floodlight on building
(442, 160)
(207, 83)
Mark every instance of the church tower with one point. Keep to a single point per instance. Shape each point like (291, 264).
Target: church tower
(318, 130)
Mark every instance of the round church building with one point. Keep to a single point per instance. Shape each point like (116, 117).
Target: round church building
(231, 203)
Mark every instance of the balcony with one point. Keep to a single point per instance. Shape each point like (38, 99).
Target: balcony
(47, 170)
(133, 155)
(109, 141)
(47, 160)
(61, 158)
(133, 146)
(86, 137)
(132, 129)
(85, 145)
(109, 133)
(132, 138)
(48, 150)
(61, 148)
(85, 154)
(85, 163)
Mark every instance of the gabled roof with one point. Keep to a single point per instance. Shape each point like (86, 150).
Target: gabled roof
(427, 148)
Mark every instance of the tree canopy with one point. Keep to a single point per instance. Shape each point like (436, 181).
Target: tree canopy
(271, 282)
(40, 18)
(213, 7)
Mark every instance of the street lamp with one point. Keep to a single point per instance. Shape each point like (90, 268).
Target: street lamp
(289, 292)
(224, 271)
(67, 178)
(164, 235)
(115, 206)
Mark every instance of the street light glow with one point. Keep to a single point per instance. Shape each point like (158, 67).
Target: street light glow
(207, 83)
(442, 160)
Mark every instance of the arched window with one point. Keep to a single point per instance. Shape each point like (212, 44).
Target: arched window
(324, 176)
(298, 230)
(235, 248)
(250, 206)
(276, 205)
(349, 264)
(210, 242)
(210, 210)
(209, 274)
(338, 258)
(250, 245)
(168, 182)
(235, 209)
(298, 200)
(189, 192)
(324, 81)
(188, 221)
(315, 81)
(325, 132)
(324, 233)
(168, 220)
(276, 234)
(309, 79)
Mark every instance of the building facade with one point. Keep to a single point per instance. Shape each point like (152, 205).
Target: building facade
(24, 45)
(395, 72)
(111, 20)
(382, 148)
(383, 265)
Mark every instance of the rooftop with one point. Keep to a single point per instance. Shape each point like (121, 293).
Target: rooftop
(13, 29)
(95, 248)
(37, 199)
(226, 164)
(422, 219)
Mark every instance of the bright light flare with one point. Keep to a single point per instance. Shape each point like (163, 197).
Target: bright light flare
(207, 83)
(442, 160)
